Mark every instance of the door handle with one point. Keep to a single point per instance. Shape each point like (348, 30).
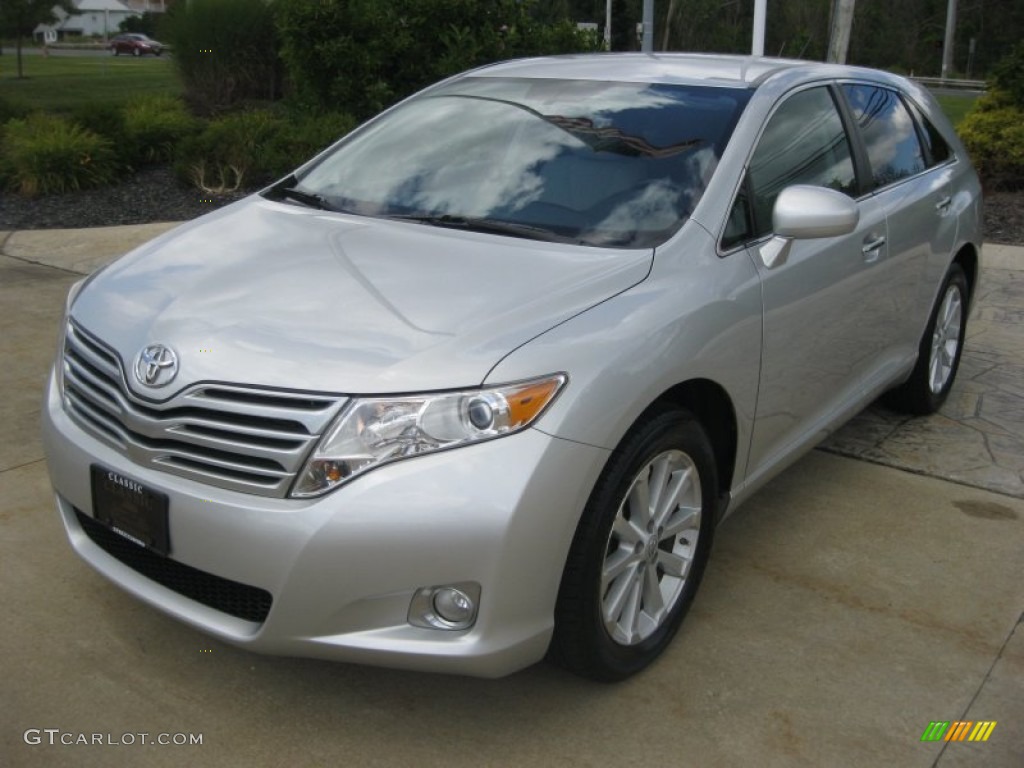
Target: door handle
(873, 245)
(943, 205)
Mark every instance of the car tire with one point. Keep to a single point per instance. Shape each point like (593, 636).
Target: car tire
(618, 607)
(938, 356)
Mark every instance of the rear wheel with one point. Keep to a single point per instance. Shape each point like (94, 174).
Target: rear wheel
(640, 549)
(938, 356)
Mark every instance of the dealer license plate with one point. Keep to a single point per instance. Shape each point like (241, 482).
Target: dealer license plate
(131, 509)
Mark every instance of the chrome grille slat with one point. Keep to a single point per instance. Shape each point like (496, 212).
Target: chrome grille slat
(284, 440)
(253, 449)
(107, 427)
(234, 466)
(311, 420)
(177, 465)
(82, 379)
(227, 435)
(94, 354)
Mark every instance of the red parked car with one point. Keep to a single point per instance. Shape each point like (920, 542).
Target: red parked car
(136, 44)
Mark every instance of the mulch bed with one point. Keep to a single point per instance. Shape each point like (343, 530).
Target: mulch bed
(143, 197)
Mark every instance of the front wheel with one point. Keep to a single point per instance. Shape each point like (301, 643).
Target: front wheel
(939, 354)
(640, 549)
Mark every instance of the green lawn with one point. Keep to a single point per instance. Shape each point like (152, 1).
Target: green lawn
(62, 83)
(956, 107)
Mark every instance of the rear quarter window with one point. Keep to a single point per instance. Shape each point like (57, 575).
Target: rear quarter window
(937, 149)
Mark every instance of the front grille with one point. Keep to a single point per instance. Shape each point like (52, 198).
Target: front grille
(230, 436)
(230, 597)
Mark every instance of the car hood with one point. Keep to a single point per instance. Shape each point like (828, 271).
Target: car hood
(270, 294)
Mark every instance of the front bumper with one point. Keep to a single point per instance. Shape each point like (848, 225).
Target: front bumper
(342, 569)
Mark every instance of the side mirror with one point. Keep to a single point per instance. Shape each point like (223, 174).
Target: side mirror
(804, 212)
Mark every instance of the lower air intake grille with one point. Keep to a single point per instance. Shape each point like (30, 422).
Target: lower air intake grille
(230, 597)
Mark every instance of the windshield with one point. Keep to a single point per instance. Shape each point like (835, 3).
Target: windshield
(611, 164)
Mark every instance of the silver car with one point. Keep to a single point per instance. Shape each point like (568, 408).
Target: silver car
(476, 384)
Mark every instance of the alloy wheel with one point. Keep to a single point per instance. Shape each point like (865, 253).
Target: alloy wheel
(945, 339)
(651, 547)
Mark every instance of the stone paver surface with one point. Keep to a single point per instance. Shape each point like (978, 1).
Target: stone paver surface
(977, 438)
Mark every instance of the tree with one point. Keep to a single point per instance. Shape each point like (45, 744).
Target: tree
(365, 55)
(20, 17)
(624, 19)
(147, 24)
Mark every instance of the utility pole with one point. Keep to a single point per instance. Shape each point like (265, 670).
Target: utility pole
(947, 46)
(647, 45)
(760, 12)
(668, 24)
(608, 25)
(842, 22)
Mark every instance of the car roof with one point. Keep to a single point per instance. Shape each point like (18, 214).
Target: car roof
(707, 69)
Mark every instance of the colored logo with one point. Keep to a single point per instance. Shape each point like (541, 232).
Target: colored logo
(958, 730)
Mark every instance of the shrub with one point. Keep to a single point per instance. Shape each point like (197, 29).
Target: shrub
(9, 111)
(250, 148)
(1008, 75)
(153, 127)
(227, 154)
(224, 51)
(993, 130)
(44, 154)
(101, 117)
(305, 136)
(993, 133)
(366, 55)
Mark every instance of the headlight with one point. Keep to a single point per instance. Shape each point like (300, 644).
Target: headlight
(375, 431)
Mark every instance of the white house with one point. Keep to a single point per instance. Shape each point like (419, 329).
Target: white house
(91, 18)
(154, 6)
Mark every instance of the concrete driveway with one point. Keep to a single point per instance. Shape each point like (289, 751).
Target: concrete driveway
(846, 607)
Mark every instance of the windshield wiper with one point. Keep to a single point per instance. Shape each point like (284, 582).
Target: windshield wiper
(482, 224)
(287, 190)
(306, 198)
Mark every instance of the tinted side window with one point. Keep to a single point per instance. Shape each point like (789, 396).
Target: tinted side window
(938, 150)
(803, 143)
(888, 130)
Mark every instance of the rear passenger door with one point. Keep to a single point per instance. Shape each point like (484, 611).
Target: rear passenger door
(910, 171)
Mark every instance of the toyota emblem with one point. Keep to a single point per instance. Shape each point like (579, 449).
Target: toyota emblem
(156, 365)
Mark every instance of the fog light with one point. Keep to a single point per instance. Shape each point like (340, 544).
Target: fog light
(451, 606)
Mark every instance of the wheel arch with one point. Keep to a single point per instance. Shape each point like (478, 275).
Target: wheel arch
(711, 405)
(967, 258)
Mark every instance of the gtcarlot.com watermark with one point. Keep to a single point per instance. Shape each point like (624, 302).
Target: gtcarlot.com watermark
(56, 737)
